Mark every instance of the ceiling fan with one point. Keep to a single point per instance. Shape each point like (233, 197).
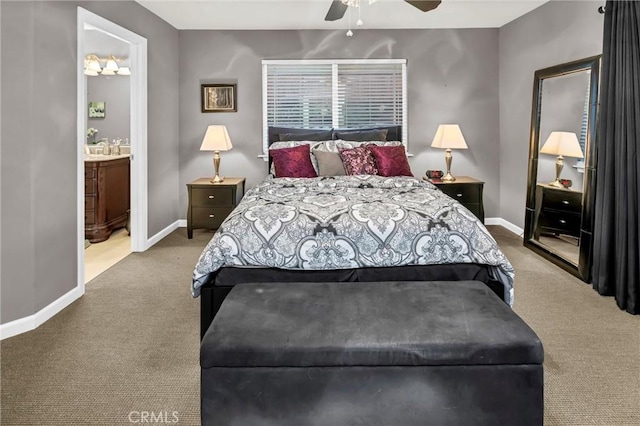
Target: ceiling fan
(339, 7)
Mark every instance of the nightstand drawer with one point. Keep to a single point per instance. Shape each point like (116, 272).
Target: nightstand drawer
(464, 193)
(212, 196)
(209, 217)
(563, 200)
(559, 221)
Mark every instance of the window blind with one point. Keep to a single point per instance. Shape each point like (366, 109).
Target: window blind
(334, 93)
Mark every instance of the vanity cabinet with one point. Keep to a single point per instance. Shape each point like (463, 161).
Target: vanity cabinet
(106, 197)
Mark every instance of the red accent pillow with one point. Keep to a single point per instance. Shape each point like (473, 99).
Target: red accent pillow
(391, 160)
(358, 161)
(293, 162)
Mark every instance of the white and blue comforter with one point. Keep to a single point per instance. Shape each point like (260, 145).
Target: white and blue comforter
(346, 222)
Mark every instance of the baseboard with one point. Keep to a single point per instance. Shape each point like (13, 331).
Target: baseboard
(160, 235)
(22, 325)
(182, 223)
(505, 224)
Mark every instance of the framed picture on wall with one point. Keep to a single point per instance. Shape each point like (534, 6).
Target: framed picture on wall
(219, 97)
(97, 109)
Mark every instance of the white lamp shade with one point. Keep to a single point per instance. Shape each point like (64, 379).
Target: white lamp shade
(449, 136)
(216, 139)
(94, 65)
(562, 143)
(111, 65)
(124, 71)
(90, 72)
(108, 72)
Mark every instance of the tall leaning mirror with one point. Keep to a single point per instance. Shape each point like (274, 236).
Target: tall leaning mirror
(558, 216)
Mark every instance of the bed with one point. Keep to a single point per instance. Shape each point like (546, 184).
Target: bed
(365, 228)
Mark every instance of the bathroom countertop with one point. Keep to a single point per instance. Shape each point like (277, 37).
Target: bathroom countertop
(100, 157)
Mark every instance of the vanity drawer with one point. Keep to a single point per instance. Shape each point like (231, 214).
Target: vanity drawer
(89, 203)
(90, 186)
(212, 196)
(464, 193)
(89, 217)
(209, 217)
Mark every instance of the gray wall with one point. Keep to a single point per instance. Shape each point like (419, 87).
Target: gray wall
(557, 32)
(452, 77)
(39, 147)
(114, 91)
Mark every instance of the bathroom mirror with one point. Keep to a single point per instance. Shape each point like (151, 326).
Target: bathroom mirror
(558, 216)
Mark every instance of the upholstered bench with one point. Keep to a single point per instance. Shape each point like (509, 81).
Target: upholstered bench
(389, 354)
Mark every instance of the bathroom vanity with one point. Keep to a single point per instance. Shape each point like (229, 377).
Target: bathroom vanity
(106, 195)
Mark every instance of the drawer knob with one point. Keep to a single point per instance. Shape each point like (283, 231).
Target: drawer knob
(211, 197)
(212, 215)
(565, 202)
(459, 195)
(562, 221)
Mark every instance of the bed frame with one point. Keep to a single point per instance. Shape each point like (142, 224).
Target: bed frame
(222, 281)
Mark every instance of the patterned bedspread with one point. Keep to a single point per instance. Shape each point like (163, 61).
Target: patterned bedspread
(350, 222)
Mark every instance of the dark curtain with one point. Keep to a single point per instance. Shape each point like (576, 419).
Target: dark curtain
(616, 254)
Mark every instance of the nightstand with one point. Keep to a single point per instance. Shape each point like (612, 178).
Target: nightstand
(467, 190)
(558, 211)
(210, 204)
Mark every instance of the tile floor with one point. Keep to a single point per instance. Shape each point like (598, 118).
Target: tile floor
(99, 257)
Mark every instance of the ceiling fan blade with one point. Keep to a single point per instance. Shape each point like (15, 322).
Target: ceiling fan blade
(336, 11)
(424, 5)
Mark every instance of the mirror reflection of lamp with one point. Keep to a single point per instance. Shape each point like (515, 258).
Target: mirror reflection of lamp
(562, 144)
(216, 139)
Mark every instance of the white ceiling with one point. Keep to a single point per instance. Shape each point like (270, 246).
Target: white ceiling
(309, 14)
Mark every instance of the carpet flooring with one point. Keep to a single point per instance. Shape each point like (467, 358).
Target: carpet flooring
(129, 347)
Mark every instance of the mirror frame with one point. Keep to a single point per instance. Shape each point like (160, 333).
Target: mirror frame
(583, 269)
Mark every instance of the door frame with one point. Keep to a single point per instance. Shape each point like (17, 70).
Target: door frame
(138, 131)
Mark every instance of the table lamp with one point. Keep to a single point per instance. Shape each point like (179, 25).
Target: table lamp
(216, 139)
(562, 144)
(449, 136)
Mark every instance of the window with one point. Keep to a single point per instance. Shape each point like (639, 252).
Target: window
(334, 93)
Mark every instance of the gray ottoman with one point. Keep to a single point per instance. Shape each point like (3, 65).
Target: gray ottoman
(389, 353)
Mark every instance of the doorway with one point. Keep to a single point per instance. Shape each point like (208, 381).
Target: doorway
(135, 49)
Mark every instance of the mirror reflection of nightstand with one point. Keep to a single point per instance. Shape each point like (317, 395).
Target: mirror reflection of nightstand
(558, 211)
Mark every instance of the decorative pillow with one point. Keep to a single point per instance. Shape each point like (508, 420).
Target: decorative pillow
(391, 160)
(361, 135)
(358, 161)
(288, 144)
(329, 163)
(293, 162)
(309, 136)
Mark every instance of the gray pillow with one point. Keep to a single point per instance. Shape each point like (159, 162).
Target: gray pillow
(310, 136)
(329, 163)
(361, 135)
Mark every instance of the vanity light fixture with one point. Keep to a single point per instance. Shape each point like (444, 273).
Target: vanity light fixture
(562, 144)
(448, 136)
(93, 67)
(216, 139)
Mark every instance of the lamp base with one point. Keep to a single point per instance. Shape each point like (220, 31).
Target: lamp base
(556, 184)
(217, 179)
(448, 178)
